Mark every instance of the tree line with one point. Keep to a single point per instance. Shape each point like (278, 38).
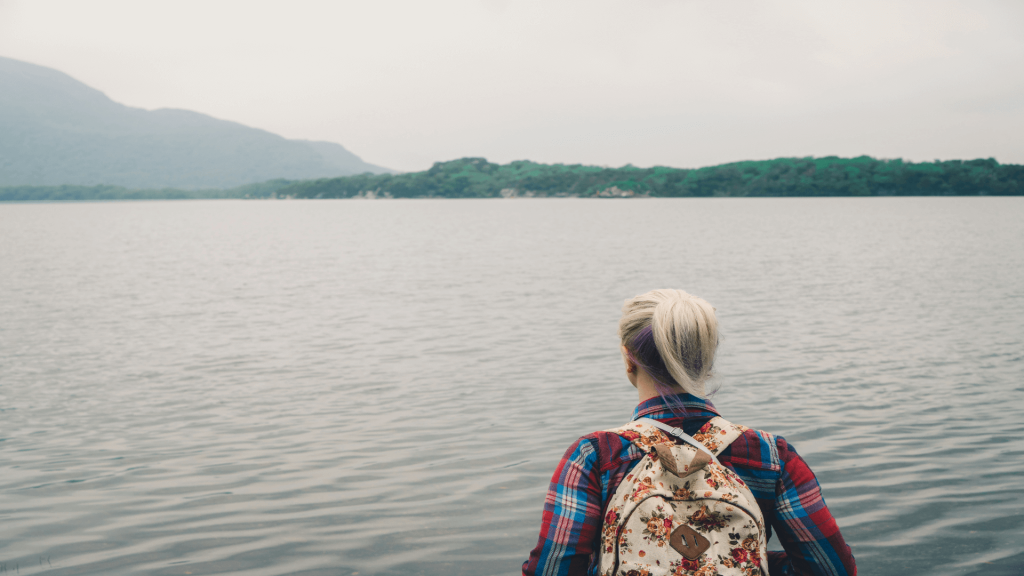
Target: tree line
(831, 176)
(478, 178)
(72, 193)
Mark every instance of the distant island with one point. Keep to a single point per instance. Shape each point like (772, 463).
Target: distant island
(478, 178)
(831, 176)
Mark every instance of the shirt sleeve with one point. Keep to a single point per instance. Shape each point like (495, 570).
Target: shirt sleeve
(804, 525)
(571, 520)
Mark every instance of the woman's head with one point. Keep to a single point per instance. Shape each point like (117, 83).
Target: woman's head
(672, 335)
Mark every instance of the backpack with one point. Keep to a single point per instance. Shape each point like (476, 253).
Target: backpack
(680, 511)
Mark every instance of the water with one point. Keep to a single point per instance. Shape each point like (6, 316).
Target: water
(384, 387)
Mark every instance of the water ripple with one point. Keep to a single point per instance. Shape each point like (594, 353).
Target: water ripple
(341, 387)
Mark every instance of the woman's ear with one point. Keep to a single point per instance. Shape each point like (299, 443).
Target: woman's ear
(630, 365)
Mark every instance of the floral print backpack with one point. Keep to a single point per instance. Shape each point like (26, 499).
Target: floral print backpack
(681, 512)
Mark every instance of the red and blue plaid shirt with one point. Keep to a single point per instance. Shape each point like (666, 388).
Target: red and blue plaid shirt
(785, 489)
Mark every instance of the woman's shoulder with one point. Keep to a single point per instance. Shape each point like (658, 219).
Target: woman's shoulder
(756, 449)
(753, 449)
(603, 449)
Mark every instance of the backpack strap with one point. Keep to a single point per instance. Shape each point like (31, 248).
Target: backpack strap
(718, 434)
(678, 433)
(647, 433)
(642, 434)
(712, 438)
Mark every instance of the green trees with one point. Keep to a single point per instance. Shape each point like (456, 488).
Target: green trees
(478, 178)
(830, 176)
(70, 193)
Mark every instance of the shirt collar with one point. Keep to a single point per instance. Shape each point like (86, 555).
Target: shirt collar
(674, 406)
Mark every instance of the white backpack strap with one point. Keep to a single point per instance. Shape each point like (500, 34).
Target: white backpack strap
(718, 434)
(678, 433)
(642, 434)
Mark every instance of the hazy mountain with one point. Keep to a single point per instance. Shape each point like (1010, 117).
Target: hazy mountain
(56, 130)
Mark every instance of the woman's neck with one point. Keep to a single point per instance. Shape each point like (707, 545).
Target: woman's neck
(645, 386)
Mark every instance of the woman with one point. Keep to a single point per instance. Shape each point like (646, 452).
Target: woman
(669, 340)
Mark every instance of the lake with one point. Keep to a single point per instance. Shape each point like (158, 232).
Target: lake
(385, 387)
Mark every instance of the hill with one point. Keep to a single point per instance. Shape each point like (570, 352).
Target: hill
(55, 130)
(831, 176)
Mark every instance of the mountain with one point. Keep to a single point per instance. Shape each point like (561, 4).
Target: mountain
(56, 130)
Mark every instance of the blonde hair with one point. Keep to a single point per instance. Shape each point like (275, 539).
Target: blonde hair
(673, 335)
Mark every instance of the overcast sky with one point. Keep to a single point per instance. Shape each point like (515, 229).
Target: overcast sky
(669, 82)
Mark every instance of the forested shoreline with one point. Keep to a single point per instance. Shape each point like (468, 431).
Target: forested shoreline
(74, 193)
(478, 178)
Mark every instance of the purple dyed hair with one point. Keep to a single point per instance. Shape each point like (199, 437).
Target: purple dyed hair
(644, 353)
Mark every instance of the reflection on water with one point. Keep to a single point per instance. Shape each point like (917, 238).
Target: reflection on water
(384, 387)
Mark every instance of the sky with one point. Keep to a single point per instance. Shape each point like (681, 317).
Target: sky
(645, 82)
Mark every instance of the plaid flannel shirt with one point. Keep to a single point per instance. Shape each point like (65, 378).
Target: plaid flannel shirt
(785, 488)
